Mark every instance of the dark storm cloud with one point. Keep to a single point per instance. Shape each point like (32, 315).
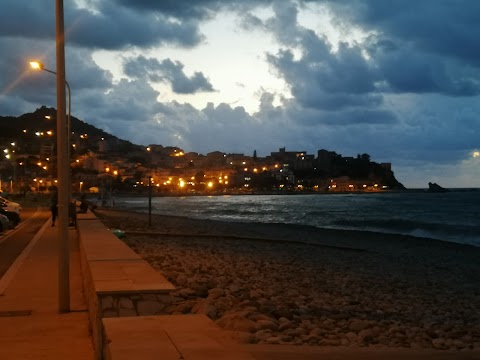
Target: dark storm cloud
(424, 46)
(447, 28)
(403, 69)
(167, 71)
(199, 9)
(321, 78)
(108, 27)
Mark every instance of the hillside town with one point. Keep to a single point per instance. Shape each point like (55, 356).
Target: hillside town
(103, 163)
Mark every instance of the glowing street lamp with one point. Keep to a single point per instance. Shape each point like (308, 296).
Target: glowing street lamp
(39, 66)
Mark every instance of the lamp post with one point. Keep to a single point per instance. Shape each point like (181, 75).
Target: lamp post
(62, 160)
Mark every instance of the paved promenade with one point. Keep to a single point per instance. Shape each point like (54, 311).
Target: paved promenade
(30, 324)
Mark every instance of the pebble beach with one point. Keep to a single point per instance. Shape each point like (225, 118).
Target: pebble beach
(299, 285)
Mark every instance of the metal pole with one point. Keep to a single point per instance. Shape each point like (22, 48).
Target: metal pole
(149, 201)
(69, 180)
(62, 161)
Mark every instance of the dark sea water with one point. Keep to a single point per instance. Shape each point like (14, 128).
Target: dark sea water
(452, 216)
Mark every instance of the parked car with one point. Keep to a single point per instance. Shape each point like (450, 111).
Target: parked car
(13, 203)
(4, 223)
(13, 216)
(9, 207)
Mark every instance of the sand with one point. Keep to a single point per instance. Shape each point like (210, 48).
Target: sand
(283, 284)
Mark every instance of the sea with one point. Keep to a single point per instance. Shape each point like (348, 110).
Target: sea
(451, 216)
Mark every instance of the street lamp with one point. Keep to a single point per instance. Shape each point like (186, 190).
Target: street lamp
(37, 65)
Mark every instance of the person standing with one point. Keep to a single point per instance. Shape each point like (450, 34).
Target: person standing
(54, 206)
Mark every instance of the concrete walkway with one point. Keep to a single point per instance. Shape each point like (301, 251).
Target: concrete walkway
(31, 326)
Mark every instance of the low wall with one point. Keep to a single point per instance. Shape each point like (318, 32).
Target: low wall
(117, 281)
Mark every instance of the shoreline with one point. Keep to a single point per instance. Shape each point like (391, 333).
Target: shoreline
(400, 291)
(350, 234)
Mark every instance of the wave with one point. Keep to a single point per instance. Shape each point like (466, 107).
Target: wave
(441, 231)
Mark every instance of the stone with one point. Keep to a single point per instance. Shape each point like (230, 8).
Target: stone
(125, 303)
(205, 307)
(182, 308)
(243, 337)
(181, 280)
(358, 325)
(215, 293)
(267, 324)
(147, 307)
(273, 340)
(107, 302)
(127, 312)
(263, 334)
(237, 322)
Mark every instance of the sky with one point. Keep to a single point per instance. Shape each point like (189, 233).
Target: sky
(398, 80)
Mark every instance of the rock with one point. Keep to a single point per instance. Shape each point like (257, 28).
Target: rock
(243, 337)
(237, 322)
(439, 344)
(184, 293)
(181, 280)
(263, 334)
(215, 293)
(205, 307)
(286, 325)
(267, 325)
(149, 307)
(273, 340)
(183, 308)
(358, 325)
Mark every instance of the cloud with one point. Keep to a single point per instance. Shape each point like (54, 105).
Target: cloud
(167, 71)
(406, 91)
(105, 26)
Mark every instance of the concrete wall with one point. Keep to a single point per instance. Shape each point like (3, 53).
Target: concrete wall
(117, 281)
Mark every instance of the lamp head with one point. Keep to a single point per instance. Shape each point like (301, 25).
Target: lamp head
(36, 65)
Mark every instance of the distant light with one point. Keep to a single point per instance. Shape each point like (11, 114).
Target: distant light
(210, 184)
(476, 154)
(24, 130)
(13, 144)
(148, 149)
(48, 117)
